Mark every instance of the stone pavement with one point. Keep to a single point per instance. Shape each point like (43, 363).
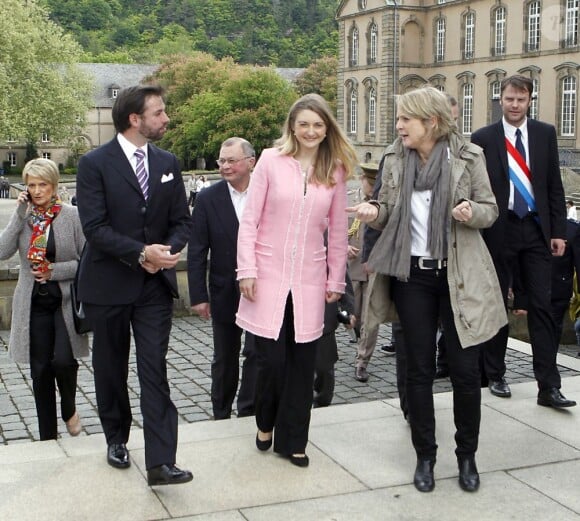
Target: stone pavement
(361, 466)
(189, 361)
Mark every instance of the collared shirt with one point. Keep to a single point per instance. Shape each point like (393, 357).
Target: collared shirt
(420, 211)
(129, 150)
(510, 134)
(238, 200)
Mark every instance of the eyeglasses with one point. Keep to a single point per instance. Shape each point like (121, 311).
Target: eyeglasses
(222, 162)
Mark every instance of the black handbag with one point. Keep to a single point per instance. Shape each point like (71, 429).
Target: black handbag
(80, 320)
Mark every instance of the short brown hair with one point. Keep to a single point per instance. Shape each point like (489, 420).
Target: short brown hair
(517, 81)
(132, 101)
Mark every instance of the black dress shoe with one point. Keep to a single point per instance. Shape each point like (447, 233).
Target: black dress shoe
(299, 461)
(263, 445)
(468, 475)
(554, 398)
(360, 373)
(500, 388)
(167, 475)
(424, 480)
(118, 456)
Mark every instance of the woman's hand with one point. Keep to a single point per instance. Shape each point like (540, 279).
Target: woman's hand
(23, 198)
(462, 212)
(248, 289)
(41, 276)
(332, 296)
(352, 252)
(364, 212)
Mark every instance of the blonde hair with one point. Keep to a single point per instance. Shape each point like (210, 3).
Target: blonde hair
(334, 150)
(425, 103)
(44, 169)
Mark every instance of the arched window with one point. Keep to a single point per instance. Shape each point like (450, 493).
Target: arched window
(499, 29)
(469, 35)
(568, 106)
(534, 29)
(372, 114)
(467, 113)
(440, 39)
(353, 46)
(571, 23)
(352, 113)
(533, 111)
(373, 43)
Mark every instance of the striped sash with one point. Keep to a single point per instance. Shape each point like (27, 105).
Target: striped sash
(520, 175)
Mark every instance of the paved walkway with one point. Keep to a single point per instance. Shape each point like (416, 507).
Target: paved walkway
(361, 456)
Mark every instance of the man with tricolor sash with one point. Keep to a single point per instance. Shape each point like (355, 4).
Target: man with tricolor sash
(523, 167)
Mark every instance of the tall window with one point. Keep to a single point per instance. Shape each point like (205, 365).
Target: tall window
(45, 137)
(440, 40)
(354, 44)
(353, 105)
(568, 111)
(534, 26)
(495, 91)
(372, 111)
(533, 112)
(469, 35)
(571, 23)
(500, 35)
(467, 121)
(12, 158)
(374, 43)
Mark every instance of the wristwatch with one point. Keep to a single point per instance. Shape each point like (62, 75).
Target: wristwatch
(142, 256)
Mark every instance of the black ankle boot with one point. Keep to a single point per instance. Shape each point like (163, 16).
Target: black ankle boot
(424, 480)
(468, 475)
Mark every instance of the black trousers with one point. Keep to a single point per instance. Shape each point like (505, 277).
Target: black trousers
(51, 358)
(401, 366)
(225, 372)
(284, 387)
(526, 249)
(421, 302)
(326, 357)
(150, 318)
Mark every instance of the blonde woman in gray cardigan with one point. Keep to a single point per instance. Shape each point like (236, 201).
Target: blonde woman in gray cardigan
(49, 239)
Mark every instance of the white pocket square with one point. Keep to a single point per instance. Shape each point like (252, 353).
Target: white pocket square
(167, 177)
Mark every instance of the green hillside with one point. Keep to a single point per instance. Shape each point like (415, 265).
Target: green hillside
(285, 33)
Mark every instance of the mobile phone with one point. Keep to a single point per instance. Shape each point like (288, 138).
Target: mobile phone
(27, 195)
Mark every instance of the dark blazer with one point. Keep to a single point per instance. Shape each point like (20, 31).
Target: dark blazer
(118, 222)
(563, 267)
(215, 228)
(546, 180)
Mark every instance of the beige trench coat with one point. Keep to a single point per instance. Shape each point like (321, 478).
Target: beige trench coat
(476, 299)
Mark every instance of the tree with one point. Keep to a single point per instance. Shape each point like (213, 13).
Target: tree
(320, 77)
(42, 88)
(210, 100)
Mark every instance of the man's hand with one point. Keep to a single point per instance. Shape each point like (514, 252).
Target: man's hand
(202, 309)
(159, 257)
(558, 247)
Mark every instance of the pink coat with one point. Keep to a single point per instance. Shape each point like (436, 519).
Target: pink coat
(281, 244)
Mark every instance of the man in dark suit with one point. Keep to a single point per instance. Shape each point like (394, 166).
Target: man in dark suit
(134, 214)
(216, 215)
(523, 167)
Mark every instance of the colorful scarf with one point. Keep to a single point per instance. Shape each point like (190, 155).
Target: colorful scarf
(40, 221)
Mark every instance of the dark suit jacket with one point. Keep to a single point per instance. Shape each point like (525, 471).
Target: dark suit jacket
(215, 229)
(563, 267)
(118, 222)
(546, 180)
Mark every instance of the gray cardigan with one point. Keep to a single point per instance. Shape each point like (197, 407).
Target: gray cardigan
(69, 242)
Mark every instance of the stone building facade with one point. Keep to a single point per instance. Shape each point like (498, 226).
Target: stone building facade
(463, 47)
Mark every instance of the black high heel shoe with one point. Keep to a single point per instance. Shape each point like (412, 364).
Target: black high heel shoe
(299, 461)
(263, 445)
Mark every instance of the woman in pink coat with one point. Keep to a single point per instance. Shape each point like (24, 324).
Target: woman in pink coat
(297, 192)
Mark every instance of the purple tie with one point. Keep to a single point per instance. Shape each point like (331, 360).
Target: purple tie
(141, 171)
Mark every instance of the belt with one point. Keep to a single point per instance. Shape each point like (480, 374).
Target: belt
(426, 263)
